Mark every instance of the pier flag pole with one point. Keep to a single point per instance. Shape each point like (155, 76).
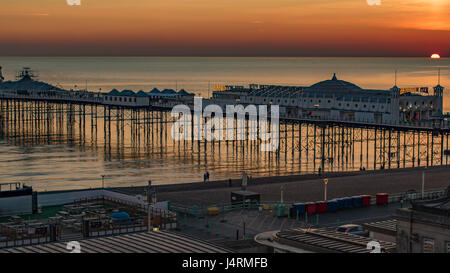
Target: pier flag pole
(209, 88)
(395, 83)
(439, 76)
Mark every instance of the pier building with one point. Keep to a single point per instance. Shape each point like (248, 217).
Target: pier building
(28, 87)
(336, 99)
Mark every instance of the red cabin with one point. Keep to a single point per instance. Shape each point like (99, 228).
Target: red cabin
(311, 208)
(382, 198)
(321, 207)
(365, 200)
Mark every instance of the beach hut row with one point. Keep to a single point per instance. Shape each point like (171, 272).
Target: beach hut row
(337, 204)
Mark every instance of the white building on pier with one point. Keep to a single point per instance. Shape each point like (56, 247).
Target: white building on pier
(339, 100)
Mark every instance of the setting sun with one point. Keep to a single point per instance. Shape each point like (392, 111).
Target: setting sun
(435, 56)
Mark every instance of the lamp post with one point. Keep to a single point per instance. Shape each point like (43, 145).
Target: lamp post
(149, 218)
(423, 183)
(103, 187)
(325, 181)
(151, 193)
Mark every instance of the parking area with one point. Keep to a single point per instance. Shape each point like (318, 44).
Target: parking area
(246, 223)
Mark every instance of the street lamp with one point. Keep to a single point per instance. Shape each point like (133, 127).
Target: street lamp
(423, 183)
(325, 181)
(149, 218)
(103, 181)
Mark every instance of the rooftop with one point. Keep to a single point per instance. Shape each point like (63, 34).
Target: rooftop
(439, 206)
(334, 85)
(321, 240)
(27, 83)
(388, 226)
(143, 242)
(153, 92)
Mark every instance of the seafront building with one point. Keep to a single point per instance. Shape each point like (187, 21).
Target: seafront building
(425, 227)
(336, 99)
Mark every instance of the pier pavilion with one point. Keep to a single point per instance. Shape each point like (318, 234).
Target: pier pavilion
(28, 88)
(336, 99)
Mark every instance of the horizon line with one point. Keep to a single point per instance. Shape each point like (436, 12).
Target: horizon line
(206, 56)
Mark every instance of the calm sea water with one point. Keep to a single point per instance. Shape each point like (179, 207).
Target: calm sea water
(72, 164)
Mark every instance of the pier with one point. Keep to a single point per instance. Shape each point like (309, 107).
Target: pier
(306, 145)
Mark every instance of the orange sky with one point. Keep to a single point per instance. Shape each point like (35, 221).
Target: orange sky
(225, 27)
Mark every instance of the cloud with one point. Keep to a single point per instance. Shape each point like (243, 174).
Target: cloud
(38, 14)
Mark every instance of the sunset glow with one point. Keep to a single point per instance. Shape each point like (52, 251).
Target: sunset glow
(435, 56)
(224, 28)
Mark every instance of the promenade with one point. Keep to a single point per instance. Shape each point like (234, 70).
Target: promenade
(304, 188)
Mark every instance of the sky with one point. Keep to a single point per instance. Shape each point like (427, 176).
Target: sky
(395, 28)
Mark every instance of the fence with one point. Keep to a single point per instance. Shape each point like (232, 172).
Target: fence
(19, 234)
(430, 194)
(100, 226)
(13, 236)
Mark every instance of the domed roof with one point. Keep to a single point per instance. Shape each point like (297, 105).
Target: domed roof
(334, 85)
(27, 83)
